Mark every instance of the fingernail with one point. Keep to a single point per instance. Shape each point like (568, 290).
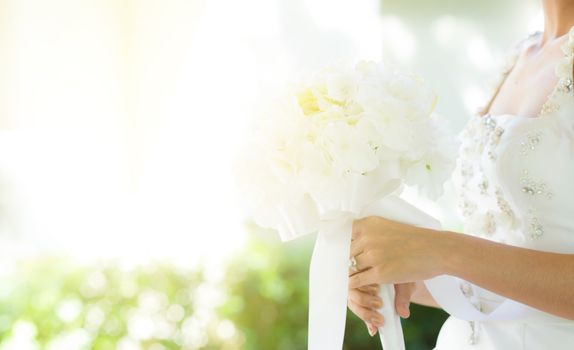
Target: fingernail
(377, 303)
(372, 331)
(406, 307)
(378, 321)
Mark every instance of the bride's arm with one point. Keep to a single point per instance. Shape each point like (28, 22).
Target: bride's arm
(540, 279)
(391, 252)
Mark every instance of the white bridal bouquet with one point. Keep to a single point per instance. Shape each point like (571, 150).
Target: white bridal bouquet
(337, 147)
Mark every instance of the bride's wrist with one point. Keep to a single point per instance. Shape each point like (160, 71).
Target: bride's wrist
(448, 253)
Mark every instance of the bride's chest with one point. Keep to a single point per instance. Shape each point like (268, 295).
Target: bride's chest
(525, 90)
(530, 78)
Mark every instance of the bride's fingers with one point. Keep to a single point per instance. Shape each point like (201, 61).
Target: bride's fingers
(367, 315)
(357, 247)
(365, 299)
(372, 289)
(363, 278)
(363, 261)
(404, 292)
(357, 228)
(372, 329)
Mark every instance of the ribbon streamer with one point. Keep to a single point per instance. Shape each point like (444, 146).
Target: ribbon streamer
(328, 285)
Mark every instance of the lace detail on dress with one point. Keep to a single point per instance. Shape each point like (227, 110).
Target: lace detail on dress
(565, 77)
(481, 198)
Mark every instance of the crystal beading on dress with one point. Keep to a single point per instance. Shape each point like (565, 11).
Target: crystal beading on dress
(506, 188)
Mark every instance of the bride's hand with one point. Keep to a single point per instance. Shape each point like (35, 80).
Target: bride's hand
(365, 301)
(387, 251)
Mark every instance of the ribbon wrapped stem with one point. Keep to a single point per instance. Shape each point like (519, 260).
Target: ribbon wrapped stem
(328, 285)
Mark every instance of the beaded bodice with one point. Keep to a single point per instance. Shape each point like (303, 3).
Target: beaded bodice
(514, 176)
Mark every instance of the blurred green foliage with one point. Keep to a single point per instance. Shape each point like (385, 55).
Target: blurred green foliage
(260, 303)
(469, 9)
(56, 303)
(269, 301)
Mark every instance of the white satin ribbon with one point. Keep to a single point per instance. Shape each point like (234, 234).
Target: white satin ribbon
(328, 285)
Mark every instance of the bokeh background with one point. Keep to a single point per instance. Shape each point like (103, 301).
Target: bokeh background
(119, 119)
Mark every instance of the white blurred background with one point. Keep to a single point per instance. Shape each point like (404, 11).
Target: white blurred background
(118, 119)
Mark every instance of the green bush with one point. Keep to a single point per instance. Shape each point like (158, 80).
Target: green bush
(260, 303)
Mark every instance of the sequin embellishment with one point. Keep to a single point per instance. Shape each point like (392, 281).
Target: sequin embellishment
(533, 187)
(466, 289)
(532, 140)
(535, 228)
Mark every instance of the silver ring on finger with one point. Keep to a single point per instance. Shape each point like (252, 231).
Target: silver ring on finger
(353, 264)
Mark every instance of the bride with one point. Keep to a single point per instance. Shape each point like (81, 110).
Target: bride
(515, 185)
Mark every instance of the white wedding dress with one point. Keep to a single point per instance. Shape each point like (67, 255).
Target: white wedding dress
(515, 184)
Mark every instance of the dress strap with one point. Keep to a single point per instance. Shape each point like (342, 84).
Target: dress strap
(565, 74)
(565, 70)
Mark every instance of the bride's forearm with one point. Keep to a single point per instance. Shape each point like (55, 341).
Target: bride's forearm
(539, 279)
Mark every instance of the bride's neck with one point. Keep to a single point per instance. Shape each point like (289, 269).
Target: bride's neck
(558, 18)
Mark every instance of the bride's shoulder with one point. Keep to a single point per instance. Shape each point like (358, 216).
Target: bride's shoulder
(524, 43)
(514, 51)
(532, 36)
